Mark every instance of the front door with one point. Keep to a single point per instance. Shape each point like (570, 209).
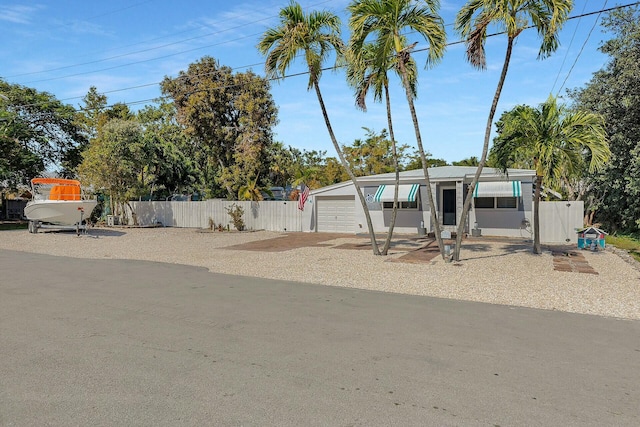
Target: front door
(449, 206)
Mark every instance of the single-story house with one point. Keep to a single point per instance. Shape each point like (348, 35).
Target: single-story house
(502, 204)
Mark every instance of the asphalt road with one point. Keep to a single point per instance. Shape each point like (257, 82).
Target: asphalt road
(108, 342)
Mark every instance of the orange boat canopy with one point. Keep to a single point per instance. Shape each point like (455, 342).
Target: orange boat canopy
(64, 192)
(62, 189)
(61, 181)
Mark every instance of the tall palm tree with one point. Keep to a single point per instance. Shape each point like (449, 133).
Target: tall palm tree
(513, 16)
(365, 73)
(552, 140)
(388, 22)
(316, 35)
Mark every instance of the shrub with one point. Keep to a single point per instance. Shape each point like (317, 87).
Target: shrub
(236, 212)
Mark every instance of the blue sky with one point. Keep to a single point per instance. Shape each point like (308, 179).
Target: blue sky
(126, 47)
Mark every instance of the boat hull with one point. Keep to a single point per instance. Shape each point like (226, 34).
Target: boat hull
(59, 212)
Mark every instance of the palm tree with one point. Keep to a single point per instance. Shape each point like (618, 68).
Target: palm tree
(251, 191)
(513, 16)
(387, 21)
(315, 35)
(364, 73)
(552, 140)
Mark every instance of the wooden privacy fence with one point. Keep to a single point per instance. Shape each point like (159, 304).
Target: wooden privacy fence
(265, 215)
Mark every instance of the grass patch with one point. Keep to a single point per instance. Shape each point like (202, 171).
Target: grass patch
(627, 243)
(13, 225)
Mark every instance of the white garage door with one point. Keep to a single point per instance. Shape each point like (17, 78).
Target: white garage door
(336, 215)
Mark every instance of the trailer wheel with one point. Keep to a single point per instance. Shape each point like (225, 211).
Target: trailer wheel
(31, 227)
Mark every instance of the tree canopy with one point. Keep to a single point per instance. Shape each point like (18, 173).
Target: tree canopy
(554, 141)
(229, 117)
(36, 132)
(614, 93)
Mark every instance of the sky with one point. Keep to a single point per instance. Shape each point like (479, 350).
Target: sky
(126, 47)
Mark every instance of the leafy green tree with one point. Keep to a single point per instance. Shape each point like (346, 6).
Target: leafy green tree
(332, 172)
(18, 164)
(374, 154)
(386, 22)
(37, 132)
(170, 167)
(229, 116)
(614, 193)
(552, 140)
(315, 35)
(469, 161)
(414, 161)
(251, 191)
(116, 162)
(92, 111)
(282, 164)
(514, 16)
(93, 115)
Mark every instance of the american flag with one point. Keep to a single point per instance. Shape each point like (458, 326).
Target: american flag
(302, 199)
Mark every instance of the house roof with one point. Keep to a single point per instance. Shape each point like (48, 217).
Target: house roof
(331, 187)
(438, 174)
(448, 173)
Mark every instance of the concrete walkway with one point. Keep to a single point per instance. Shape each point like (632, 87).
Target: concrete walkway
(105, 342)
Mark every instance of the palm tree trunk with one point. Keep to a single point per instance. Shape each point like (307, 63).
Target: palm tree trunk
(414, 117)
(485, 149)
(536, 217)
(374, 244)
(394, 212)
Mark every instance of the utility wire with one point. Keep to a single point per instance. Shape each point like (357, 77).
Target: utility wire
(323, 69)
(580, 53)
(150, 49)
(575, 30)
(224, 42)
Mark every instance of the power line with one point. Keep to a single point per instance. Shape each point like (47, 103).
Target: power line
(575, 30)
(198, 48)
(150, 49)
(331, 68)
(138, 62)
(580, 53)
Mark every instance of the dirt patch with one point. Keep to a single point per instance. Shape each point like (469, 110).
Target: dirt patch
(300, 240)
(415, 249)
(291, 241)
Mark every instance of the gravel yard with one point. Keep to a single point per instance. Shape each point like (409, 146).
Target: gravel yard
(491, 271)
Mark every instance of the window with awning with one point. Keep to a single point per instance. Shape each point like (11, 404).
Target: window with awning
(498, 189)
(406, 193)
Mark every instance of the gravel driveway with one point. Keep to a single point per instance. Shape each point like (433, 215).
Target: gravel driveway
(491, 271)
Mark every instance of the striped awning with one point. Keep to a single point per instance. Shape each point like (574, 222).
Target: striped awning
(498, 189)
(406, 193)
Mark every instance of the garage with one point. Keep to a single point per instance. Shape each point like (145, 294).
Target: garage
(335, 214)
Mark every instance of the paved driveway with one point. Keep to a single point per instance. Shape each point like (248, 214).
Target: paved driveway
(106, 342)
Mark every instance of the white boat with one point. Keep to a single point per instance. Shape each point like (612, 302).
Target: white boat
(57, 202)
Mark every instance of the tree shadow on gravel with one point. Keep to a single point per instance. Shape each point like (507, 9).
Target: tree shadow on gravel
(488, 250)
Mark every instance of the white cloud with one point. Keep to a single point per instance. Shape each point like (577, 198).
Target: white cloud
(18, 14)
